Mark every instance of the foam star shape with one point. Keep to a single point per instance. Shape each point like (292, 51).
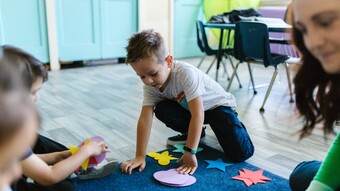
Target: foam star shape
(251, 177)
(163, 158)
(180, 148)
(219, 164)
(73, 150)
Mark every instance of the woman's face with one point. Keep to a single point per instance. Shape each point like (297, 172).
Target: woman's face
(15, 148)
(319, 23)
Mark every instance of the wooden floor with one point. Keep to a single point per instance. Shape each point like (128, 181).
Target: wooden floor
(105, 100)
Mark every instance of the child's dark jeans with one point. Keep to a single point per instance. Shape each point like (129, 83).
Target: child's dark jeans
(45, 145)
(230, 132)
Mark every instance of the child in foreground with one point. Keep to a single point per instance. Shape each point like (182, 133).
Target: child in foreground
(51, 168)
(18, 123)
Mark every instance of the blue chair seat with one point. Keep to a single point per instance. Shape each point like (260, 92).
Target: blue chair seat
(279, 59)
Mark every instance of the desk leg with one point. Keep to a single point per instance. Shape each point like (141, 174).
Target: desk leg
(219, 54)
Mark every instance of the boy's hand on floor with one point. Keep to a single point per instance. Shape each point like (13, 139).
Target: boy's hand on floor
(189, 163)
(128, 166)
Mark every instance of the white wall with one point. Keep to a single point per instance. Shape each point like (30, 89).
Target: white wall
(157, 14)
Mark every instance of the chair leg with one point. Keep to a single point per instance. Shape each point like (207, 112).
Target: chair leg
(201, 61)
(269, 89)
(289, 83)
(212, 63)
(216, 75)
(232, 65)
(238, 79)
(225, 70)
(251, 77)
(232, 76)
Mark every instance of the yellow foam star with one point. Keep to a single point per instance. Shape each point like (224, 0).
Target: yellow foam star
(73, 150)
(163, 158)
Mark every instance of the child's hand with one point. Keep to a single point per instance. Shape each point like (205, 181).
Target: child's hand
(128, 166)
(189, 163)
(94, 148)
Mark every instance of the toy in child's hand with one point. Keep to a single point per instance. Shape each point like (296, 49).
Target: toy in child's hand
(92, 161)
(251, 177)
(173, 178)
(163, 158)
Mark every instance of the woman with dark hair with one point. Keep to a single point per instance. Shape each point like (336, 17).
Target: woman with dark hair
(317, 87)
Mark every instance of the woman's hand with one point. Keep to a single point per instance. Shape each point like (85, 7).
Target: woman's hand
(128, 166)
(189, 163)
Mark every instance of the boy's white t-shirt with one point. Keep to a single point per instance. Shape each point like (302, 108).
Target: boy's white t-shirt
(187, 83)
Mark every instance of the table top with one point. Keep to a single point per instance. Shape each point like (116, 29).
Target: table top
(272, 26)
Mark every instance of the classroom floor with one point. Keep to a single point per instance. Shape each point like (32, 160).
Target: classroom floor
(105, 100)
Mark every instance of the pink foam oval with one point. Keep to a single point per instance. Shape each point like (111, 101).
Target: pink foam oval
(189, 182)
(171, 177)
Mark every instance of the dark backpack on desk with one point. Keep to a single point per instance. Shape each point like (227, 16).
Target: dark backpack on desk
(235, 16)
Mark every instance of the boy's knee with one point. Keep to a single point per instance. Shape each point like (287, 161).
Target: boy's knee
(241, 151)
(245, 153)
(246, 146)
(236, 143)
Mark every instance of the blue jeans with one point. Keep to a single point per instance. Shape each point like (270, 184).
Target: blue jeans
(303, 174)
(230, 132)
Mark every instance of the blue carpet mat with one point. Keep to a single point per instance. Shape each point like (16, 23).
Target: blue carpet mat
(207, 179)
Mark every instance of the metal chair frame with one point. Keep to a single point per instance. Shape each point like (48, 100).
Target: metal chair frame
(252, 46)
(203, 44)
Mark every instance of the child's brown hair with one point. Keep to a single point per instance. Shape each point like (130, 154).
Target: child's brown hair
(29, 67)
(15, 102)
(146, 44)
